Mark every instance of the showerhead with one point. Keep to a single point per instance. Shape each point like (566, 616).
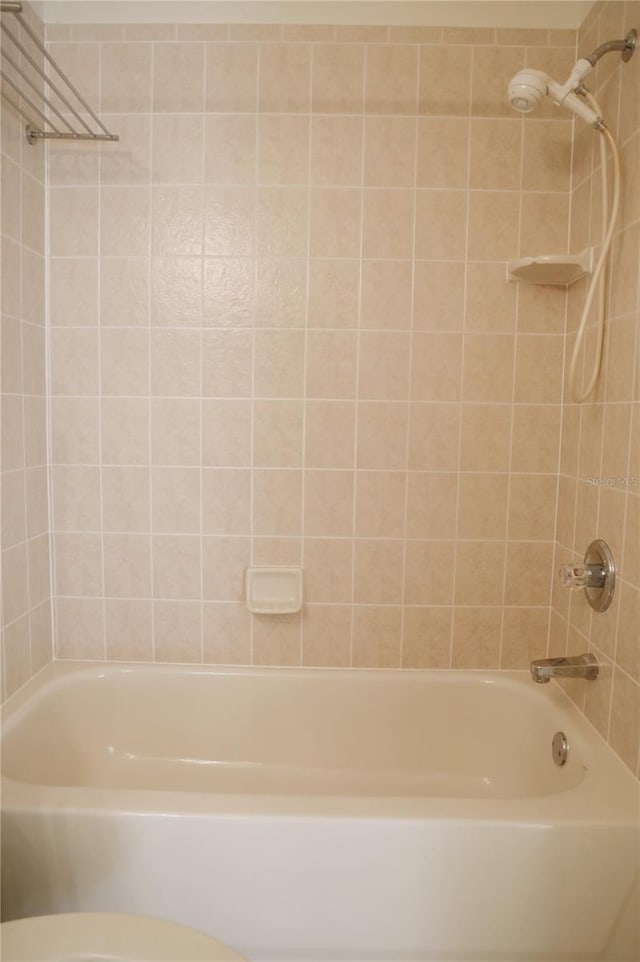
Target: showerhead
(527, 90)
(529, 87)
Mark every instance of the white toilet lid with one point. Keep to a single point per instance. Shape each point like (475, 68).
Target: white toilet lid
(107, 937)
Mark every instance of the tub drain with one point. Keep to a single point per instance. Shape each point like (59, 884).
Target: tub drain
(560, 748)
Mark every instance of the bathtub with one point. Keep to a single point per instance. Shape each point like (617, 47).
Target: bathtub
(322, 816)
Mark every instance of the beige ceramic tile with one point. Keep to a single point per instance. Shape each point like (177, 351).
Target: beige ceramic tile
(228, 294)
(482, 509)
(378, 571)
(384, 365)
(338, 78)
(331, 364)
(283, 149)
(444, 85)
(443, 152)
(386, 294)
(177, 567)
(491, 304)
(281, 292)
(73, 292)
(125, 498)
(227, 361)
(124, 430)
(184, 60)
(326, 632)
(376, 636)
(277, 640)
(175, 363)
(226, 499)
(175, 500)
(529, 573)
(387, 229)
(175, 431)
(524, 636)
(177, 631)
(128, 630)
(281, 222)
(496, 148)
(427, 637)
(336, 150)
(124, 291)
(176, 293)
(78, 570)
(380, 504)
(436, 367)
(226, 433)
(531, 502)
(177, 149)
(73, 214)
(329, 434)
(279, 367)
(277, 434)
(226, 634)
(230, 146)
(431, 505)
(231, 77)
(438, 303)
(488, 368)
(391, 79)
(277, 502)
(493, 225)
(335, 222)
(382, 435)
(328, 567)
(75, 438)
(328, 504)
(224, 562)
(389, 152)
(127, 565)
(284, 78)
(80, 628)
(333, 293)
(476, 637)
(429, 573)
(126, 77)
(441, 222)
(536, 436)
(486, 431)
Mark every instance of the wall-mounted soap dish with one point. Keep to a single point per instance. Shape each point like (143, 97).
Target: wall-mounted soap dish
(555, 269)
(274, 591)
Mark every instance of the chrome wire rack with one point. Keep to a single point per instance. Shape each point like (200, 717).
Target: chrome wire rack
(38, 90)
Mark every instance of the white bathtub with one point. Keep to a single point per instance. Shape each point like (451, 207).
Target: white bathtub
(318, 815)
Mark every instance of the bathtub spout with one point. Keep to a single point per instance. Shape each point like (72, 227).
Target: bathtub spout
(573, 666)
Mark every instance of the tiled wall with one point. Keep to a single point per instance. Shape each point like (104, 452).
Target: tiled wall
(26, 594)
(281, 334)
(599, 494)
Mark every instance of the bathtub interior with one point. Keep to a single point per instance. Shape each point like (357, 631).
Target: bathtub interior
(410, 734)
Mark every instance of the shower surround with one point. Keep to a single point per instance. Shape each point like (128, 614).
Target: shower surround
(280, 333)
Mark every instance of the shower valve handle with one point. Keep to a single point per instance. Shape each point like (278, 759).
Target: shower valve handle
(577, 576)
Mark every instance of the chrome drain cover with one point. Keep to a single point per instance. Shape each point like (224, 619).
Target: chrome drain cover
(560, 748)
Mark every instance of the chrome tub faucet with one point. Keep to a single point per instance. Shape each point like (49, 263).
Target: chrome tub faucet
(572, 666)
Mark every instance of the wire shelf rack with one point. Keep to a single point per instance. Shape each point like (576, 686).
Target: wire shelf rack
(38, 90)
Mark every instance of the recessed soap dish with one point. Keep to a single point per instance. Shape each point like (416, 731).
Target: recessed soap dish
(274, 591)
(558, 269)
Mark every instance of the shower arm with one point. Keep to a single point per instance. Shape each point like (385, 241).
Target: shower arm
(625, 47)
